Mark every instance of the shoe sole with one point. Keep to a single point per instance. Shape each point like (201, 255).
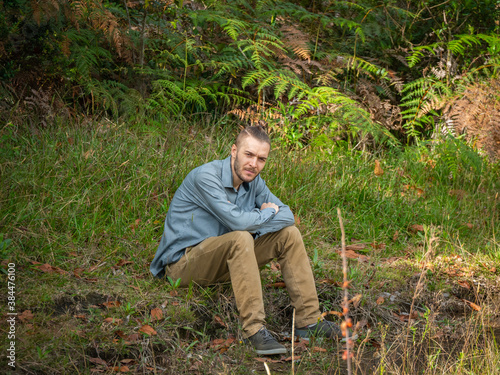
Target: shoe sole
(271, 351)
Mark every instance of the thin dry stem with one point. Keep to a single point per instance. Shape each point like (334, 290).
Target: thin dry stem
(346, 294)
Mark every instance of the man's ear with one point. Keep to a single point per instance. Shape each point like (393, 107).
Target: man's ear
(233, 150)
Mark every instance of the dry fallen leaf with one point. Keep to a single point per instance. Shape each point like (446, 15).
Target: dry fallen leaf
(463, 284)
(378, 246)
(123, 262)
(128, 361)
(115, 321)
(47, 268)
(417, 228)
(219, 321)
(98, 361)
(156, 314)
(356, 300)
(378, 169)
(354, 255)
(110, 304)
(279, 284)
(380, 300)
(147, 329)
(472, 305)
(121, 369)
(318, 349)
(275, 266)
(25, 316)
(356, 246)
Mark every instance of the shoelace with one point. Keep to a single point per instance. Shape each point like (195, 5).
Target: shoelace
(267, 336)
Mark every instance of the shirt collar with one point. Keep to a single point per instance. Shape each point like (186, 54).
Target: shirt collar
(227, 175)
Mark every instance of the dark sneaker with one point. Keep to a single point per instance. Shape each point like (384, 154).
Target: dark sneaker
(265, 344)
(323, 328)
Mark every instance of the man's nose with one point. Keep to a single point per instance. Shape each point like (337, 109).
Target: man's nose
(253, 162)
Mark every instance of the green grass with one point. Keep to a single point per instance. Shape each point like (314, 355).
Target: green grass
(87, 198)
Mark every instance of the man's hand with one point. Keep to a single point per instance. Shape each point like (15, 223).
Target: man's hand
(270, 205)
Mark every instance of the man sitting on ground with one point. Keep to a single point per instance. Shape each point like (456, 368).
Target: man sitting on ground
(224, 224)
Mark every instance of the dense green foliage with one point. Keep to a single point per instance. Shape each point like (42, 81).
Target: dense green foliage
(358, 71)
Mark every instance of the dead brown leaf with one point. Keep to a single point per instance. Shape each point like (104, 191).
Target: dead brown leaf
(354, 255)
(111, 304)
(115, 321)
(380, 300)
(156, 314)
(98, 361)
(222, 345)
(356, 300)
(268, 360)
(121, 369)
(77, 272)
(356, 246)
(289, 359)
(472, 305)
(318, 349)
(279, 284)
(275, 266)
(25, 316)
(147, 329)
(378, 246)
(47, 268)
(463, 284)
(378, 169)
(123, 262)
(219, 321)
(416, 228)
(127, 361)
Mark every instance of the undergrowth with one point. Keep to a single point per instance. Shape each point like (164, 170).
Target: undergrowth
(81, 214)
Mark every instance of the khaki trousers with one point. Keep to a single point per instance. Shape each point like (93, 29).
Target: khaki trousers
(236, 256)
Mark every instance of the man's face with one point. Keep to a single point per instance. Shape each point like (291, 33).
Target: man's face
(248, 159)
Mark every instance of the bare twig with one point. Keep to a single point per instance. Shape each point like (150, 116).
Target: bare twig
(347, 322)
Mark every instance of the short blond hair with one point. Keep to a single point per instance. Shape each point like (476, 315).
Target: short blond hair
(258, 132)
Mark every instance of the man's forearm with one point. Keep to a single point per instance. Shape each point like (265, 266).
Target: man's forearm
(284, 218)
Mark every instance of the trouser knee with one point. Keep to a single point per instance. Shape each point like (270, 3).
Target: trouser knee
(243, 239)
(292, 233)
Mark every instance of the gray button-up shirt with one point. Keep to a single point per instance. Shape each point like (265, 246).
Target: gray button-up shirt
(207, 205)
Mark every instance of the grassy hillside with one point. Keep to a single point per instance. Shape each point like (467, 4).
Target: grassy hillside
(81, 214)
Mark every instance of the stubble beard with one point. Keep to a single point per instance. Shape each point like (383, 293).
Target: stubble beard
(238, 169)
